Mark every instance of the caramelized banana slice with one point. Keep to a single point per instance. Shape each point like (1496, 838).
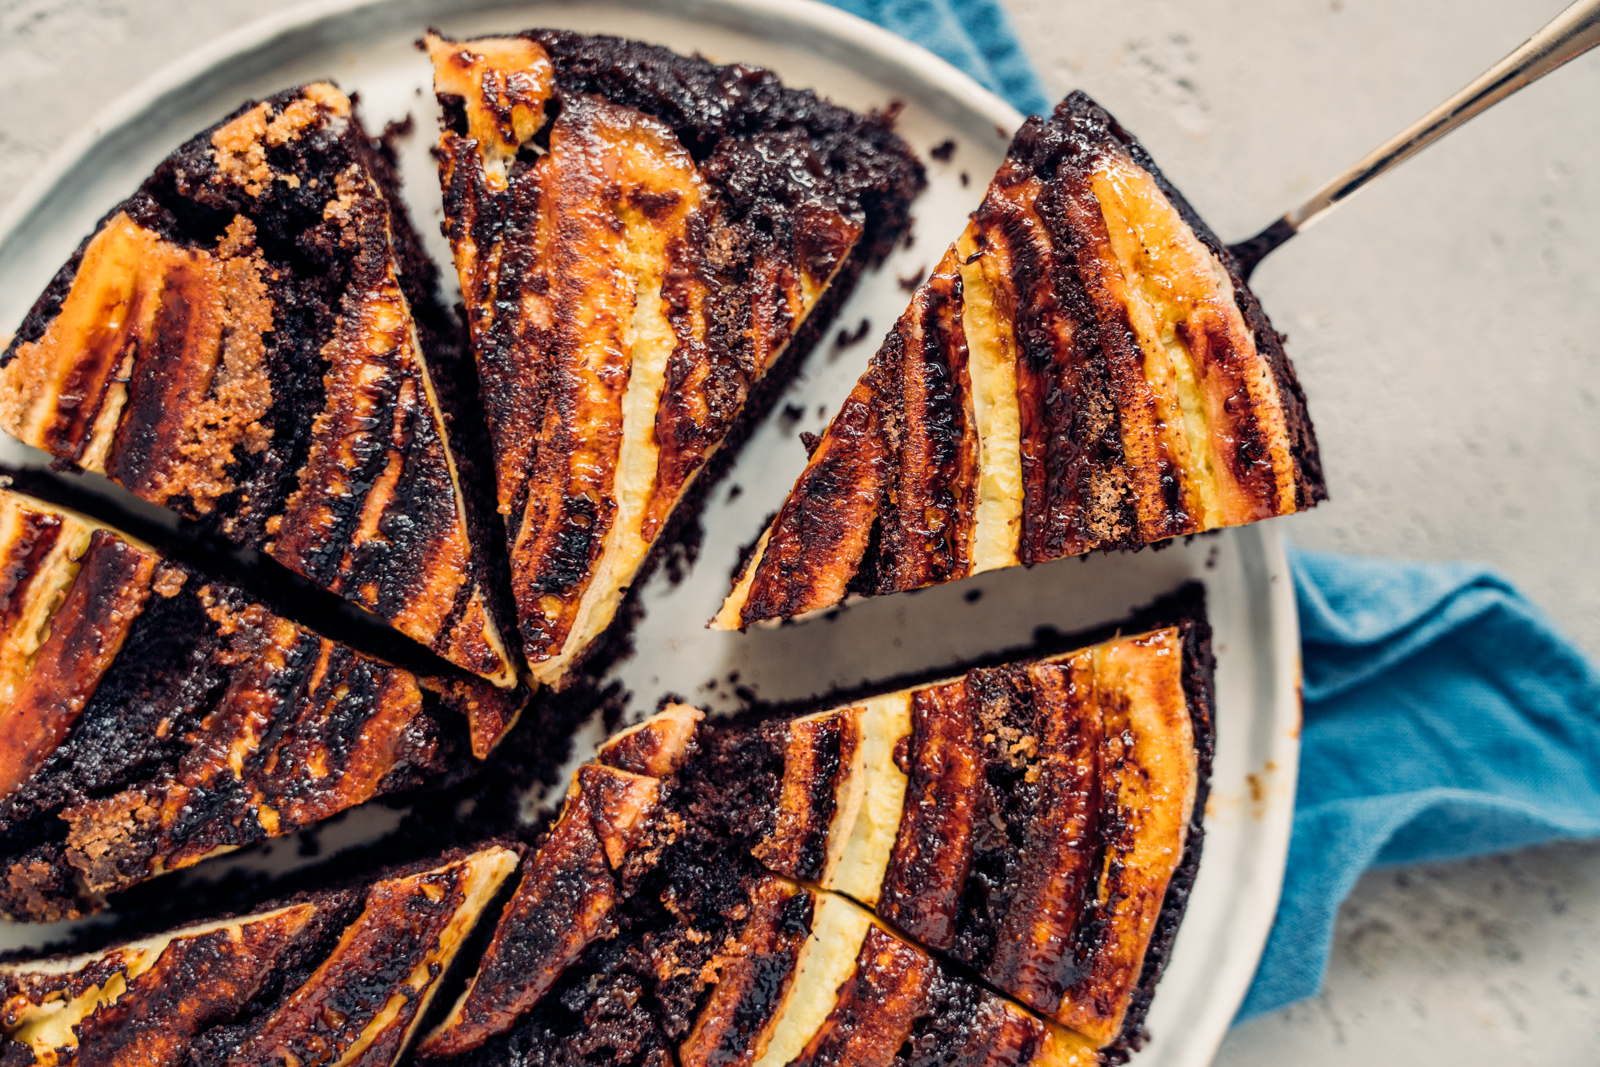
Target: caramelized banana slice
(562, 906)
(1026, 820)
(361, 1007)
(143, 1003)
(753, 977)
(245, 341)
(153, 718)
(1084, 370)
(1150, 776)
(925, 870)
(819, 771)
(854, 994)
(640, 237)
(657, 746)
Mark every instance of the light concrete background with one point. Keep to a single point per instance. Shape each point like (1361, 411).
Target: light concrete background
(1446, 325)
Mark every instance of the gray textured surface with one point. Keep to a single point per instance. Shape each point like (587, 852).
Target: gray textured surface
(1445, 325)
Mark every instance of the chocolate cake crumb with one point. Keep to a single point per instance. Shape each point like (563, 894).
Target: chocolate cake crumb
(943, 151)
(847, 338)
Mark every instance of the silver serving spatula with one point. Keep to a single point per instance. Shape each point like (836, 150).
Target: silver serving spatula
(1567, 36)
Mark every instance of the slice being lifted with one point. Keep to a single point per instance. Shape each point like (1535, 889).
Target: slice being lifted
(243, 341)
(1085, 369)
(341, 977)
(150, 717)
(642, 239)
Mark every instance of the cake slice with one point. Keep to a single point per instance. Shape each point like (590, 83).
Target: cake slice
(1084, 369)
(647, 243)
(339, 977)
(570, 892)
(154, 717)
(246, 340)
(661, 944)
(704, 894)
(1039, 822)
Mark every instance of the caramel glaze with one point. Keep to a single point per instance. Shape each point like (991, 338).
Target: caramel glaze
(241, 342)
(148, 1014)
(876, 1008)
(707, 959)
(166, 718)
(197, 983)
(568, 891)
(86, 635)
(1041, 830)
(1152, 397)
(630, 276)
(563, 904)
(1035, 952)
(754, 974)
(891, 484)
(1049, 826)
(337, 977)
(897, 1004)
(556, 396)
(816, 752)
(932, 856)
(971, 1027)
(656, 747)
(361, 1006)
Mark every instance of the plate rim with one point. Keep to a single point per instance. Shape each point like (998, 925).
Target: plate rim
(172, 78)
(915, 63)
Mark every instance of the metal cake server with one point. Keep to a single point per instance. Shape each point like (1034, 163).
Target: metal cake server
(1566, 37)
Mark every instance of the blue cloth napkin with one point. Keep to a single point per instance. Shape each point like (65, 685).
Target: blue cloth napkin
(1444, 715)
(973, 35)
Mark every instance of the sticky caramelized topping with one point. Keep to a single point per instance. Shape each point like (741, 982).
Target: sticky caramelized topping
(631, 269)
(502, 84)
(1096, 376)
(242, 341)
(363, 1003)
(143, 1003)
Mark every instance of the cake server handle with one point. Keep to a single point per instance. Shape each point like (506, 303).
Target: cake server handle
(1567, 36)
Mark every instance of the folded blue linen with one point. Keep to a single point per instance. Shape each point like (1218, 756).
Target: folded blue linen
(972, 35)
(1445, 716)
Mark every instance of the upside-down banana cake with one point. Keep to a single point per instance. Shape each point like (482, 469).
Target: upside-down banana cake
(1084, 369)
(151, 717)
(647, 243)
(246, 340)
(855, 885)
(341, 978)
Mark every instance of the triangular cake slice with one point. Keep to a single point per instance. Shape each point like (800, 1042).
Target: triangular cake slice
(1084, 369)
(638, 940)
(151, 717)
(642, 239)
(245, 341)
(1039, 822)
(337, 977)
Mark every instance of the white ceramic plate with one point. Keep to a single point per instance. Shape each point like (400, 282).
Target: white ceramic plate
(368, 46)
